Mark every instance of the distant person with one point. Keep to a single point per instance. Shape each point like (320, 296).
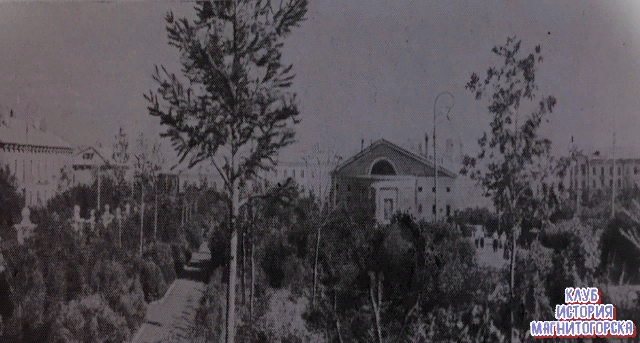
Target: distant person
(503, 238)
(495, 241)
(476, 236)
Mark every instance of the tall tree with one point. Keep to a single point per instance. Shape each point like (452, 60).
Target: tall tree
(147, 166)
(120, 157)
(516, 157)
(321, 163)
(11, 201)
(236, 96)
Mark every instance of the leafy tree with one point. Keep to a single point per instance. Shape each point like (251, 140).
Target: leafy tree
(148, 163)
(236, 96)
(517, 159)
(10, 200)
(121, 157)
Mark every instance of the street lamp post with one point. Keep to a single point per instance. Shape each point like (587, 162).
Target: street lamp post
(446, 108)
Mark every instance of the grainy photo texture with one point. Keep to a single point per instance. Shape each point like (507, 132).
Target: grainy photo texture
(319, 171)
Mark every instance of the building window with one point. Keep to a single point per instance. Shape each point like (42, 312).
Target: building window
(348, 188)
(337, 186)
(610, 183)
(448, 210)
(618, 170)
(448, 189)
(420, 208)
(583, 169)
(635, 170)
(302, 174)
(594, 183)
(293, 173)
(611, 170)
(619, 183)
(433, 209)
(602, 171)
(15, 170)
(285, 173)
(30, 198)
(433, 189)
(388, 209)
(594, 170)
(313, 174)
(419, 189)
(45, 196)
(31, 169)
(583, 184)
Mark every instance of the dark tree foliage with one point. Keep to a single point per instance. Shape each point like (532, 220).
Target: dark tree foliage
(11, 201)
(231, 106)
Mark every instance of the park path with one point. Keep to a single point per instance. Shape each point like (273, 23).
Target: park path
(171, 318)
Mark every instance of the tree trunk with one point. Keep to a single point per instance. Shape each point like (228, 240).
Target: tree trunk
(120, 232)
(375, 303)
(99, 186)
(335, 314)
(315, 269)
(155, 214)
(244, 268)
(233, 264)
(512, 283)
(141, 217)
(252, 286)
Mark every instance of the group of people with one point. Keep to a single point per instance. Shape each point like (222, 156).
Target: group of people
(498, 240)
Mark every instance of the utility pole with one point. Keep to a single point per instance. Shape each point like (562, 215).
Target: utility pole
(435, 157)
(435, 161)
(613, 182)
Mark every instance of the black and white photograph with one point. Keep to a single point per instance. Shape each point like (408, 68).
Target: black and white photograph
(324, 171)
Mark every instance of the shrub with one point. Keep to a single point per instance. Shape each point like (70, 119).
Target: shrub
(89, 320)
(162, 256)
(272, 327)
(210, 315)
(131, 304)
(179, 257)
(153, 283)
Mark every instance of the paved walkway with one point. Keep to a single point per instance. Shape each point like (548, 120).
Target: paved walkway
(171, 318)
(487, 257)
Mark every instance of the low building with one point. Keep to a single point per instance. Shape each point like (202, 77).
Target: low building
(384, 179)
(600, 171)
(35, 156)
(313, 177)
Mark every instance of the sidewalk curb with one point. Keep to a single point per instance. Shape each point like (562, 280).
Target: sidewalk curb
(139, 333)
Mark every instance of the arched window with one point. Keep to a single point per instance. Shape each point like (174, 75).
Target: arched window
(383, 167)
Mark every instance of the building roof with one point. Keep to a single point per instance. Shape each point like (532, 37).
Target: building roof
(416, 157)
(18, 131)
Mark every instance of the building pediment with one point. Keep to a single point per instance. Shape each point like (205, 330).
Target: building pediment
(387, 159)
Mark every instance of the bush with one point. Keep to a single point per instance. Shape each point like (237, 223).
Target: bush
(210, 315)
(179, 256)
(161, 254)
(153, 283)
(272, 328)
(131, 304)
(89, 320)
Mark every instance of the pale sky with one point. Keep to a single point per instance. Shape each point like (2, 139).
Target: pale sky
(365, 69)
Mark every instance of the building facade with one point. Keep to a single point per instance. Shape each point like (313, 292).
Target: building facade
(35, 156)
(384, 179)
(312, 177)
(597, 173)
